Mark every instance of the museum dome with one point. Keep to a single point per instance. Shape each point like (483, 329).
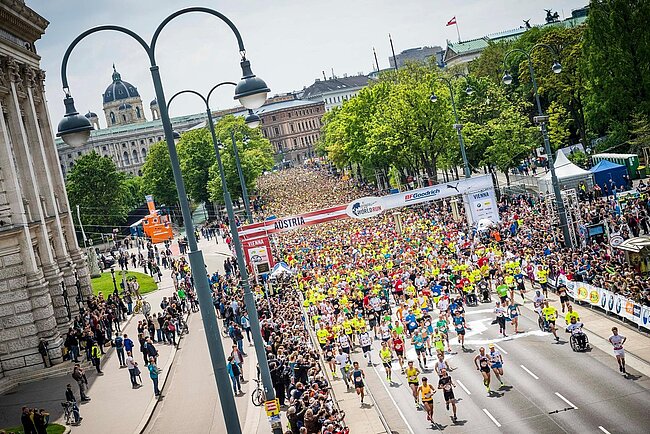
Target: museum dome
(119, 89)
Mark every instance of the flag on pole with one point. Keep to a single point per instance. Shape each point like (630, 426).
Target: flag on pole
(452, 22)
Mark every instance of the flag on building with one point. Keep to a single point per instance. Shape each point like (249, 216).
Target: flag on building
(452, 22)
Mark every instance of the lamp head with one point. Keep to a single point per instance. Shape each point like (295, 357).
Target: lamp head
(177, 136)
(74, 128)
(507, 78)
(433, 97)
(252, 120)
(251, 91)
(557, 67)
(469, 90)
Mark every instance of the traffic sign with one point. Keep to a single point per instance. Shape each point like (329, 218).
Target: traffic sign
(272, 407)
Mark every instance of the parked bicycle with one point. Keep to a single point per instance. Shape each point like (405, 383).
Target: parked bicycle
(258, 393)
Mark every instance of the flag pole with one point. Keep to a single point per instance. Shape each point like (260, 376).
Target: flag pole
(457, 30)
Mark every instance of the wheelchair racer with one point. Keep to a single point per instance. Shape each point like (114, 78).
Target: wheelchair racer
(575, 328)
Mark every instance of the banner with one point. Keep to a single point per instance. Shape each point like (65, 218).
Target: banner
(257, 253)
(608, 301)
(483, 205)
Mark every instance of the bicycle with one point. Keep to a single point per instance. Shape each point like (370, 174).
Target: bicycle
(258, 393)
(142, 306)
(67, 412)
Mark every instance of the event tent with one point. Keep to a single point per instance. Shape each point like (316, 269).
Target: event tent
(569, 175)
(605, 171)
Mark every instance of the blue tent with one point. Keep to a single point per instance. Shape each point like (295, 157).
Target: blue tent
(605, 171)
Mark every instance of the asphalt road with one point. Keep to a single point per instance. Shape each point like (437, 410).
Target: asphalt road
(549, 388)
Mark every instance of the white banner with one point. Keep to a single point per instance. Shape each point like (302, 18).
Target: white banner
(608, 301)
(483, 205)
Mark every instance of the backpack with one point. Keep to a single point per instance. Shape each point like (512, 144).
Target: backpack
(172, 327)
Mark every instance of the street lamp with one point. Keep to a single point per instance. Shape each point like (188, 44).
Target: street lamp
(251, 92)
(115, 291)
(245, 284)
(541, 119)
(458, 126)
(66, 301)
(252, 121)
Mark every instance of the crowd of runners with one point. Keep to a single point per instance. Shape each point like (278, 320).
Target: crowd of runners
(407, 286)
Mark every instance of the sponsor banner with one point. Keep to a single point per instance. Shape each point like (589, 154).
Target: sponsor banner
(440, 191)
(283, 224)
(257, 253)
(365, 207)
(608, 301)
(483, 205)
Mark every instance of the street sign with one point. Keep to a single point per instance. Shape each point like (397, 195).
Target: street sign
(272, 407)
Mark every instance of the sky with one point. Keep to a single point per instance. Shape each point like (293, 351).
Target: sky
(289, 42)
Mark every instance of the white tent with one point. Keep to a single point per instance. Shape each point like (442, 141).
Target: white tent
(568, 174)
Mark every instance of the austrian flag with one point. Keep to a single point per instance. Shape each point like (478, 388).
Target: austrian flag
(452, 22)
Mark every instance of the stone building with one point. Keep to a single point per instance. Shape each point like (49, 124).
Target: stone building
(419, 55)
(42, 268)
(128, 135)
(335, 90)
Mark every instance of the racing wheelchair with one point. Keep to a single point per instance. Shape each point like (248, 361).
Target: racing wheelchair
(577, 344)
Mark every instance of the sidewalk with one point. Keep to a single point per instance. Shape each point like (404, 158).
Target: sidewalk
(115, 406)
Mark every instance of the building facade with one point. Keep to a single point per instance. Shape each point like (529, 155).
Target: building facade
(420, 55)
(42, 267)
(129, 135)
(334, 91)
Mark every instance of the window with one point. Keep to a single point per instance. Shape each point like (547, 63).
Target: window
(124, 118)
(291, 125)
(103, 148)
(150, 140)
(125, 158)
(79, 154)
(276, 130)
(136, 157)
(112, 116)
(144, 153)
(137, 112)
(123, 145)
(142, 142)
(272, 118)
(289, 114)
(69, 156)
(132, 143)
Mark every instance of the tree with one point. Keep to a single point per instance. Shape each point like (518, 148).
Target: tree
(617, 54)
(255, 154)
(196, 156)
(95, 185)
(157, 175)
(133, 187)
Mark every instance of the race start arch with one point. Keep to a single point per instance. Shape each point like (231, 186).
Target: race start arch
(478, 198)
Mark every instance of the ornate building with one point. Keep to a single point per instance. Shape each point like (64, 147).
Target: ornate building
(129, 135)
(42, 268)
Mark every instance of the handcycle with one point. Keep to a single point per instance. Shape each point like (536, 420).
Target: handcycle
(544, 325)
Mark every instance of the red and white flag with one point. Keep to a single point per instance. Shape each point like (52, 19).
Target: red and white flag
(452, 22)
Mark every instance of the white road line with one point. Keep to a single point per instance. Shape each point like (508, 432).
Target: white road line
(566, 400)
(496, 422)
(462, 386)
(501, 349)
(603, 430)
(528, 370)
(383, 383)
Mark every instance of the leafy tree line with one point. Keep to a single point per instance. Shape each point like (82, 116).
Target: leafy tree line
(105, 195)
(603, 92)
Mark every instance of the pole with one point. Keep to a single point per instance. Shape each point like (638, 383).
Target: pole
(459, 127)
(83, 233)
(376, 61)
(251, 307)
(197, 264)
(242, 181)
(457, 30)
(392, 49)
(559, 203)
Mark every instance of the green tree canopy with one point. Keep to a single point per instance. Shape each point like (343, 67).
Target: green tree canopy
(100, 191)
(157, 175)
(196, 155)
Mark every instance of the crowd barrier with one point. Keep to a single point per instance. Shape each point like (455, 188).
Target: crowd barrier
(611, 303)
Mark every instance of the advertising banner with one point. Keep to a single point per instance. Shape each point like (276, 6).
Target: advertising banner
(257, 253)
(483, 205)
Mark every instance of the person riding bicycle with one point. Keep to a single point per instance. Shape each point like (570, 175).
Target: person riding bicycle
(575, 328)
(549, 314)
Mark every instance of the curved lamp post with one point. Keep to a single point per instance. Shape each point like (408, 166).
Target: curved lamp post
(458, 126)
(251, 92)
(541, 119)
(252, 121)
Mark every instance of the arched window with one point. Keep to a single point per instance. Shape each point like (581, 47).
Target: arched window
(136, 157)
(112, 115)
(137, 112)
(124, 118)
(139, 172)
(125, 158)
(144, 153)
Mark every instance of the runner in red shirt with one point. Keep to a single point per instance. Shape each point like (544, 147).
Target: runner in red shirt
(398, 347)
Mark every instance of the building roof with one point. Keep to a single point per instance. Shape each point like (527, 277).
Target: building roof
(479, 44)
(90, 114)
(119, 89)
(335, 84)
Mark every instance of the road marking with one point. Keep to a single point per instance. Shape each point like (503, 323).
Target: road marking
(501, 349)
(383, 383)
(566, 400)
(462, 386)
(528, 370)
(496, 422)
(603, 430)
